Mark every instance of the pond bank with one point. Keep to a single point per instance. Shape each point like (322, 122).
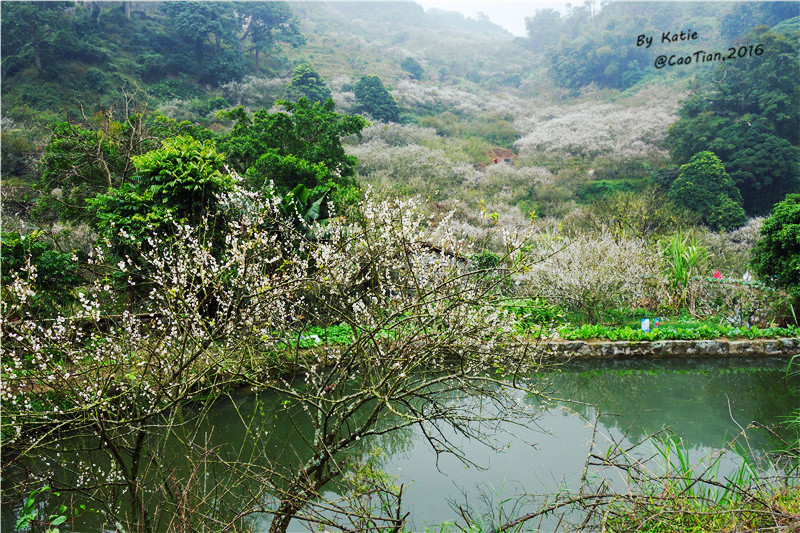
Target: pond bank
(674, 348)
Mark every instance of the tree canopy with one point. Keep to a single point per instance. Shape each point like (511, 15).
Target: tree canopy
(704, 187)
(776, 256)
(747, 113)
(306, 82)
(373, 99)
(177, 182)
(268, 24)
(413, 68)
(301, 145)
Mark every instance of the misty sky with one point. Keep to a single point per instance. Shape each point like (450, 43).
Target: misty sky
(508, 14)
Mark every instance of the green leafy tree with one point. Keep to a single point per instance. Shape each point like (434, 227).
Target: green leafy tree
(306, 82)
(373, 99)
(413, 68)
(81, 161)
(267, 25)
(202, 23)
(301, 145)
(746, 15)
(544, 28)
(228, 65)
(177, 182)
(28, 28)
(704, 187)
(776, 256)
(51, 272)
(747, 113)
(588, 47)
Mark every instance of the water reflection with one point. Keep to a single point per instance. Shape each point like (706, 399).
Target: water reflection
(705, 402)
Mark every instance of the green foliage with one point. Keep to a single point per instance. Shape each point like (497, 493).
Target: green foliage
(748, 15)
(78, 163)
(54, 275)
(696, 497)
(306, 82)
(286, 172)
(598, 189)
(776, 256)
(30, 32)
(178, 181)
(214, 103)
(645, 213)
(413, 68)
(83, 52)
(18, 153)
(228, 65)
(341, 334)
(704, 187)
(664, 175)
(373, 99)
(175, 90)
(601, 55)
(683, 259)
(747, 113)
(532, 312)
(83, 160)
(477, 134)
(304, 206)
(485, 260)
(300, 146)
(668, 331)
(30, 511)
(269, 23)
(543, 28)
(196, 22)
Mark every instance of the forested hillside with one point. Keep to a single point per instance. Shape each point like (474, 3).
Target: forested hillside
(577, 112)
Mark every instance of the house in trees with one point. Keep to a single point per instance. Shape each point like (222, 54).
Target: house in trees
(502, 155)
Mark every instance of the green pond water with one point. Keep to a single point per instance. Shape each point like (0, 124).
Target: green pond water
(705, 402)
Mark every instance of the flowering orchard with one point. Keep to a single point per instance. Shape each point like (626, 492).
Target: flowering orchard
(120, 376)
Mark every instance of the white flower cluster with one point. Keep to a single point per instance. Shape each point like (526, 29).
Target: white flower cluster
(415, 95)
(592, 129)
(418, 169)
(254, 92)
(590, 272)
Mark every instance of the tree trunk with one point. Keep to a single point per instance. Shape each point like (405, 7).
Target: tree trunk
(36, 59)
(128, 10)
(256, 59)
(284, 515)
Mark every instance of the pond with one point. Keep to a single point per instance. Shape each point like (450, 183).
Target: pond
(704, 402)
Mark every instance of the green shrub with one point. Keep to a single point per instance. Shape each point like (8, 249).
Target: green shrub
(531, 312)
(96, 80)
(54, 274)
(776, 256)
(306, 82)
(373, 99)
(179, 181)
(598, 189)
(175, 90)
(704, 187)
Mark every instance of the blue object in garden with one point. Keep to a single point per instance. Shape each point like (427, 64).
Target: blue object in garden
(645, 324)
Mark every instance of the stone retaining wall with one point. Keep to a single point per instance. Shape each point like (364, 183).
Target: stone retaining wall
(677, 348)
